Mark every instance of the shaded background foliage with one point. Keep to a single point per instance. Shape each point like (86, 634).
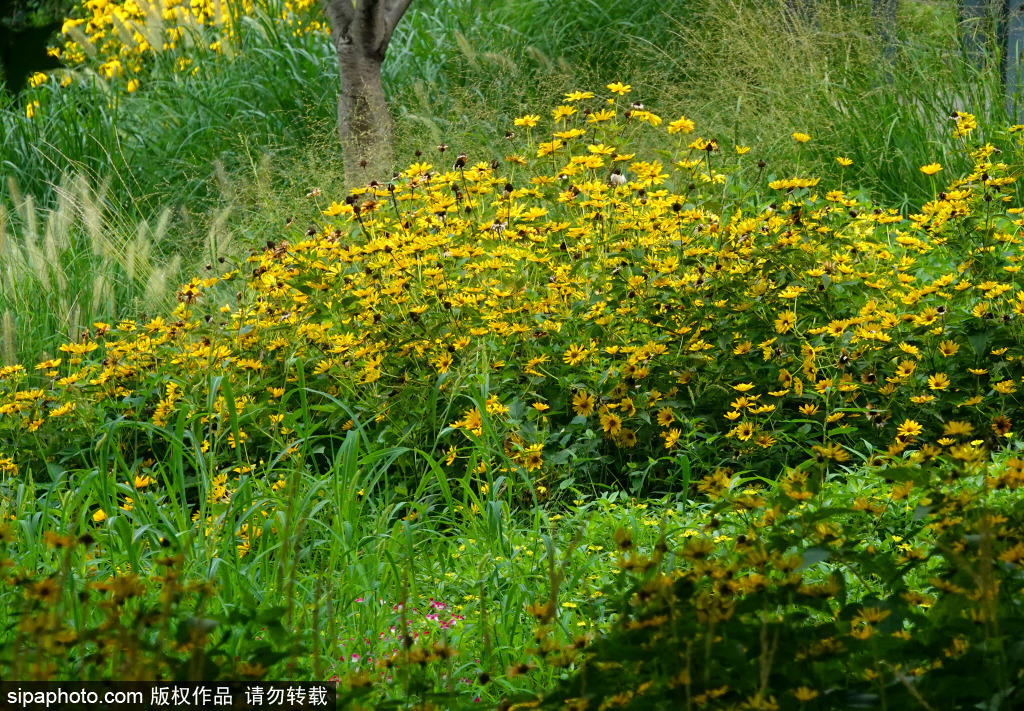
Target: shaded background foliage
(26, 29)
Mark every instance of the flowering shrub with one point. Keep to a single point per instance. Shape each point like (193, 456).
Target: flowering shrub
(125, 627)
(579, 303)
(784, 604)
(617, 309)
(121, 40)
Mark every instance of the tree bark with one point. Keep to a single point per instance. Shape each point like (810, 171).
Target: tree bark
(364, 121)
(361, 33)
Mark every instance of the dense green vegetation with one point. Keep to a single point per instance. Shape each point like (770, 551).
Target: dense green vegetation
(677, 366)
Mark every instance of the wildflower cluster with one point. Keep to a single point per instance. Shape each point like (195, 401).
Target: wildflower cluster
(618, 308)
(419, 626)
(121, 41)
(414, 641)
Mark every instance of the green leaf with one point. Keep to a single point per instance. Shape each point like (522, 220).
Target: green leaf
(813, 556)
(895, 474)
(980, 340)
(562, 457)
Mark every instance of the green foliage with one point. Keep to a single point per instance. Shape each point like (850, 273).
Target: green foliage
(62, 624)
(78, 263)
(755, 71)
(780, 604)
(395, 440)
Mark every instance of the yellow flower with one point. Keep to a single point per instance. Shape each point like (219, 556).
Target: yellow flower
(870, 615)
(610, 422)
(133, 84)
(62, 410)
(1005, 387)
(620, 88)
(785, 322)
(681, 125)
(908, 429)
(743, 431)
(955, 428)
(30, 109)
(533, 457)
(575, 354)
(601, 149)
(583, 403)
(100, 516)
(338, 208)
(965, 123)
(561, 112)
(801, 137)
(530, 120)
(931, 168)
(805, 693)
(602, 115)
(845, 162)
(417, 169)
(110, 68)
(672, 437)
(550, 147)
(70, 24)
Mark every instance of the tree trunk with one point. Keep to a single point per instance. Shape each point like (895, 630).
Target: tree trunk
(361, 33)
(364, 121)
